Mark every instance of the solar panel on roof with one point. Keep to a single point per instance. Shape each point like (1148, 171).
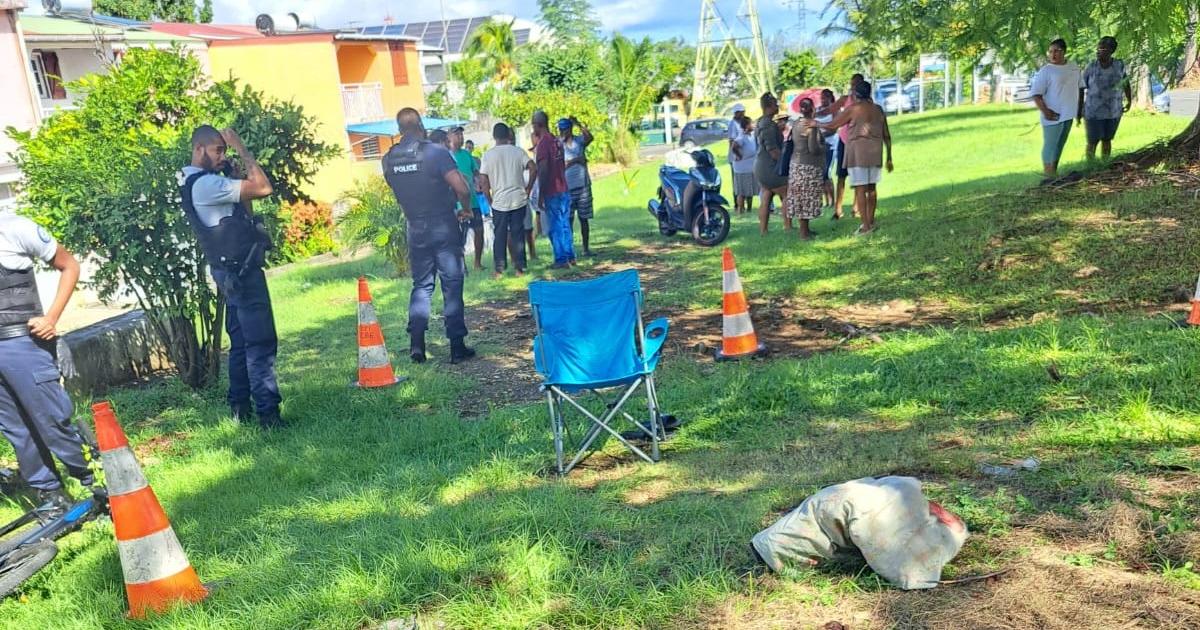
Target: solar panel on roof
(451, 35)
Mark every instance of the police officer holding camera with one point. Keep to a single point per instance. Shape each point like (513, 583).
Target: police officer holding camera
(234, 242)
(427, 185)
(35, 410)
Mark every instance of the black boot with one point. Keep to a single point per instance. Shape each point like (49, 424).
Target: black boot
(241, 413)
(459, 351)
(52, 504)
(270, 420)
(416, 348)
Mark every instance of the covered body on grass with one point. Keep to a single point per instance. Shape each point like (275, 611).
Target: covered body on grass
(905, 537)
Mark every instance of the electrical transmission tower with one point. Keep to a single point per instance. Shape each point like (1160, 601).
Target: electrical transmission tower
(721, 49)
(801, 26)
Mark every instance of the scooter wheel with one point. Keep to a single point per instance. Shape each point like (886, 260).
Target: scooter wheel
(714, 230)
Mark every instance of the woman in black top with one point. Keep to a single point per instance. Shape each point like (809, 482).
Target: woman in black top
(770, 148)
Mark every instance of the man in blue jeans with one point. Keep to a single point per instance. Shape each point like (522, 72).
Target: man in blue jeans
(554, 198)
(218, 208)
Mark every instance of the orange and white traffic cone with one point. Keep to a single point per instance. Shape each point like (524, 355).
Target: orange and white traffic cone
(374, 367)
(157, 572)
(1194, 317)
(737, 331)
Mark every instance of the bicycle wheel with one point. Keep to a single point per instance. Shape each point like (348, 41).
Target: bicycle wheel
(12, 539)
(23, 563)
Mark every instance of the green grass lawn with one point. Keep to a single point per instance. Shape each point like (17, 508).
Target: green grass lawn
(393, 504)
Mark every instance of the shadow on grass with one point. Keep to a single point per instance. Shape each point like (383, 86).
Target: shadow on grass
(382, 504)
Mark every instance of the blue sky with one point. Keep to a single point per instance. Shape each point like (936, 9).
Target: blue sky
(659, 19)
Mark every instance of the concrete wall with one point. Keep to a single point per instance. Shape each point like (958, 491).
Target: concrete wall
(302, 69)
(113, 352)
(371, 62)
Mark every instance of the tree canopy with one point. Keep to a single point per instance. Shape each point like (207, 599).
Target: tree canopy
(166, 10)
(797, 69)
(569, 20)
(1151, 32)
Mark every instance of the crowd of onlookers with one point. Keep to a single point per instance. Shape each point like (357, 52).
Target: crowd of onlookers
(804, 162)
(796, 161)
(525, 197)
(847, 138)
(1092, 97)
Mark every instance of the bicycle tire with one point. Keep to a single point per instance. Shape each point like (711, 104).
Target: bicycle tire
(13, 539)
(23, 563)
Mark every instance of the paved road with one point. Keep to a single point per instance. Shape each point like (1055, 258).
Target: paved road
(654, 151)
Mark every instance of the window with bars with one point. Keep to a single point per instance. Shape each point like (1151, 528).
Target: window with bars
(369, 148)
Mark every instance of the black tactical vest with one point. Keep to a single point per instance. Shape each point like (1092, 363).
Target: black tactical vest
(19, 301)
(404, 171)
(236, 244)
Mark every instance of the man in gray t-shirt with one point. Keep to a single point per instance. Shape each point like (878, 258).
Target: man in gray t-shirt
(1100, 91)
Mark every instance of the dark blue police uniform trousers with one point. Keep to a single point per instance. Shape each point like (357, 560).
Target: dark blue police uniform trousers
(35, 414)
(253, 344)
(440, 253)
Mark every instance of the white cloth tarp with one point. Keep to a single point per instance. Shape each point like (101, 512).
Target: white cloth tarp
(905, 538)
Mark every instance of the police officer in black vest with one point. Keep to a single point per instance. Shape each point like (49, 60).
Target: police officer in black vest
(217, 206)
(35, 410)
(428, 185)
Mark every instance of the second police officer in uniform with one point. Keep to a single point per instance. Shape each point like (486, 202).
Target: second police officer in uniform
(428, 185)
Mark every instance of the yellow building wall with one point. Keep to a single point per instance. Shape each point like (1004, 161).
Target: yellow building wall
(306, 73)
(371, 62)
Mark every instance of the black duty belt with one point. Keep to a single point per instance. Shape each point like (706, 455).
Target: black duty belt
(12, 331)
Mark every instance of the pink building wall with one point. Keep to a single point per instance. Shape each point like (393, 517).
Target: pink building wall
(17, 104)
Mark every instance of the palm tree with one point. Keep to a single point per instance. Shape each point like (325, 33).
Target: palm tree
(636, 76)
(495, 43)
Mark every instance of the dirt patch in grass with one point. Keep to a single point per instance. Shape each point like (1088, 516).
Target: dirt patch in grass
(503, 378)
(791, 329)
(787, 327)
(150, 449)
(1042, 591)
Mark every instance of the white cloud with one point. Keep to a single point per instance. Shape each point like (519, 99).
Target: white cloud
(620, 15)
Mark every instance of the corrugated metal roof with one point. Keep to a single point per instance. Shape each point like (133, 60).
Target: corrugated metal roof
(46, 25)
(206, 31)
(46, 28)
(112, 20)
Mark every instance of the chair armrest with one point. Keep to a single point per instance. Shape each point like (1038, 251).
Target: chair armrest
(655, 338)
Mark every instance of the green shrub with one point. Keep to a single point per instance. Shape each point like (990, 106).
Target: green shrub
(375, 219)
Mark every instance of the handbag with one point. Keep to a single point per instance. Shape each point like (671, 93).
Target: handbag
(785, 158)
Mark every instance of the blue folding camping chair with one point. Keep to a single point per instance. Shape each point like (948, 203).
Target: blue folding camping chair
(590, 337)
